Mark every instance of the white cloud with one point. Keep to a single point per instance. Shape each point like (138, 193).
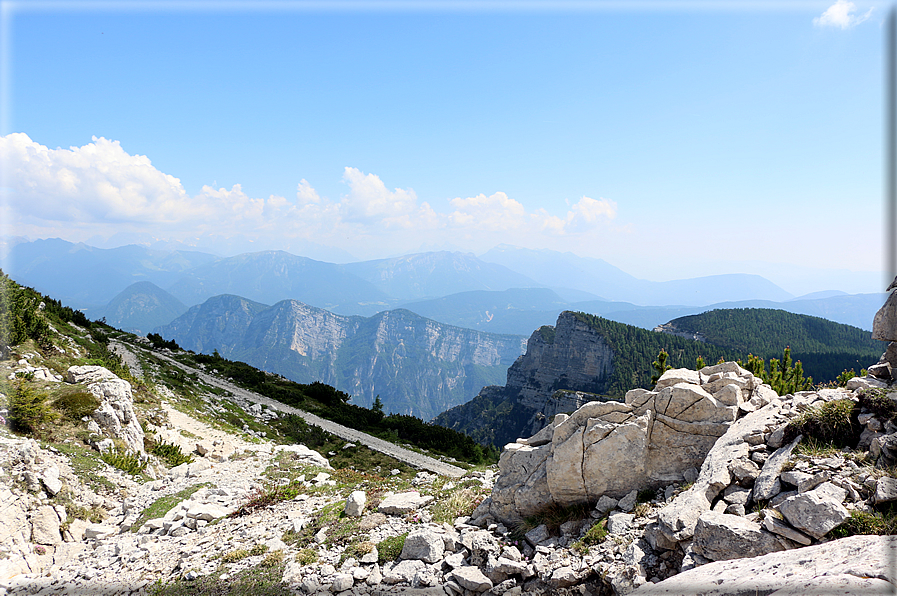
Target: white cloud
(369, 201)
(840, 14)
(99, 189)
(96, 182)
(495, 212)
(305, 194)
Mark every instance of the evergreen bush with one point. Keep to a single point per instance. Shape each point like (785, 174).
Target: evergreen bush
(75, 406)
(170, 454)
(29, 411)
(128, 461)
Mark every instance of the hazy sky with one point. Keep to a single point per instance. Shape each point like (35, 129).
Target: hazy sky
(670, 139)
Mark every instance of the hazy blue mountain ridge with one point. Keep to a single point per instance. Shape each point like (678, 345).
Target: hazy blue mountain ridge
(453, 288)
(272, 276)
(556, 269)
(84, 276)
(140, 308)
(434, 274)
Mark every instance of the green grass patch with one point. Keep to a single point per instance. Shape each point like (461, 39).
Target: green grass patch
(255, 581)
(834, 422)
(165, 504)
(861, 522)
(86, 465)
(459, 503)
(390, 548)
(813, 447)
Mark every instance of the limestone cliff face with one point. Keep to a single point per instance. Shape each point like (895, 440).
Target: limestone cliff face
(564, 367)
(576, 358)
(417, 366)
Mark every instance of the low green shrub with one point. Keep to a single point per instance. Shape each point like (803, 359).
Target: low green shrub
(272, 560)
(833, 422)
(29, 411)
(307, 556)
(258, 549)
(597, 533)
(389, 549)
(170, 454)
(235, 555)
(356, 550)
(128, 461)
(75, 406)
(265, 498)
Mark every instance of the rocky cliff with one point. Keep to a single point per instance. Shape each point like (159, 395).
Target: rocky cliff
(564, 367)
(416, 366)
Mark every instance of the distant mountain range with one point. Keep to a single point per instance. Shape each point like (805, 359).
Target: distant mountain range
(416, 366)
(516, 310)
(507, 290)
(140, 308)
(566, 270)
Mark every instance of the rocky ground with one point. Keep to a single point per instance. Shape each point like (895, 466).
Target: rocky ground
(748, 510)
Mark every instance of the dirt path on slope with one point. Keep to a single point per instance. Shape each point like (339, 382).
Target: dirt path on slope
(349, 434)
(182, 421)
(128, 357)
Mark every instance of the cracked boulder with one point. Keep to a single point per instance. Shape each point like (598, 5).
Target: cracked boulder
(611, 448)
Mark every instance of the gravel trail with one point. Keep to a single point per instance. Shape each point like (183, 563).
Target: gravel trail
(128, 357)
(349, 434)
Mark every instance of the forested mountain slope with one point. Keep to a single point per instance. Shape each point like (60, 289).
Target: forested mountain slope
(824, 348)
(603, 359)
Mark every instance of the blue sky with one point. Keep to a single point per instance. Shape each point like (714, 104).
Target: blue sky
(670, 139)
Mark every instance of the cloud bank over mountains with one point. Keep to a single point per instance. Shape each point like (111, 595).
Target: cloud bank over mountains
(101, 189)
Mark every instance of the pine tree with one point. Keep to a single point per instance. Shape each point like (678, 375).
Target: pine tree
(660, 366)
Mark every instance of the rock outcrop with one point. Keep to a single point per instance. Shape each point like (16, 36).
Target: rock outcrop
(610, 448)
(564, 367)
(115, 416)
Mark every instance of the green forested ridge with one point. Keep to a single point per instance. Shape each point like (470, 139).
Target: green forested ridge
(636, 349)
(823, 347)
(498, 420)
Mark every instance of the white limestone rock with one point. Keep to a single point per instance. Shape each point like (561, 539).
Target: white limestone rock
(720, 536)
(45, 526)
(423, 544)
(402, 503)
(813, 512)
(856, 557)
(355, 503)
(471, 578)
